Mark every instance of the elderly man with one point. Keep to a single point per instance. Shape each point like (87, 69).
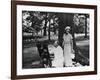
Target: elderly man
(58, 60)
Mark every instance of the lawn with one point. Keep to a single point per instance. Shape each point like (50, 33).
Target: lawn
(31, 58)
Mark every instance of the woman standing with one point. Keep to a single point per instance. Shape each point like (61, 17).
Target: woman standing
(68, 47)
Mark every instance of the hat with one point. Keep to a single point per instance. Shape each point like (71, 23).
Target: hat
(67, 28)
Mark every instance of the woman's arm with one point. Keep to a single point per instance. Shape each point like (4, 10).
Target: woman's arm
(72, 44)
(63, 40)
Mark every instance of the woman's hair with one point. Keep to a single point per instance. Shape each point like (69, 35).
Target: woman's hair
(56, 41)
(68, 27)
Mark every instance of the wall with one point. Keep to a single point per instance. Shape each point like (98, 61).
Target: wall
(5, 40)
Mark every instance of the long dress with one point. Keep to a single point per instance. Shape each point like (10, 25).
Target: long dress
(58, 57)
(67, 49)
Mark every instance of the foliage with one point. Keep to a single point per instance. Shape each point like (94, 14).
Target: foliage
(37, 21)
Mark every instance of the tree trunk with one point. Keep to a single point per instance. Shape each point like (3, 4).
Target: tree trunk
(65, 20)
(49, 31)
(74, 44)
(61, 28)
(85, 27)
(45, 26)
(41, 33)
(54, 30)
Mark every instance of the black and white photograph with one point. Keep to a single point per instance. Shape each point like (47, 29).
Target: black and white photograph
(53, 40)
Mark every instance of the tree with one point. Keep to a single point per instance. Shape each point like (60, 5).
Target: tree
(40, 21)
(65, 19)
(49, 31)
(51, 21)
(49, 26)
(45, 25)
(32, 20)
(86, 16)
(62, 24)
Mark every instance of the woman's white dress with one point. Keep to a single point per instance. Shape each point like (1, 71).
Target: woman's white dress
(58, 57)
(67, 49)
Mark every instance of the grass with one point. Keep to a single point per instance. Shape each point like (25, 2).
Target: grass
(31, 57)
(83, 48)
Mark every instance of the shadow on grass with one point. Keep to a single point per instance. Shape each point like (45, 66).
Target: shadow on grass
(31, 58)
(83, 55)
